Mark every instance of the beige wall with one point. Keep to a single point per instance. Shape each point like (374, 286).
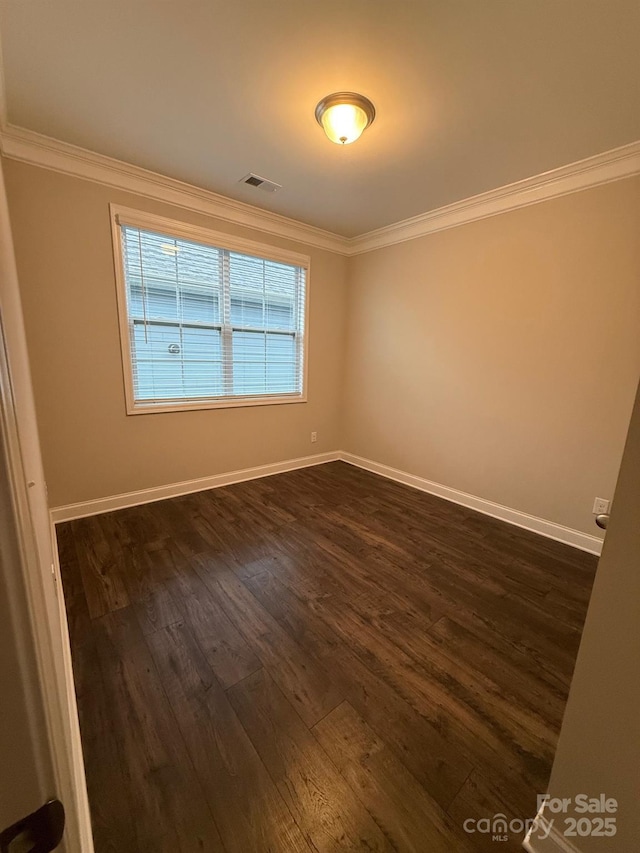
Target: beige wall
(501, 358)
(599, 747)
(91, 448)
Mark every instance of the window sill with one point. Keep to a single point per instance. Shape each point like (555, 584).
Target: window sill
(198, 405)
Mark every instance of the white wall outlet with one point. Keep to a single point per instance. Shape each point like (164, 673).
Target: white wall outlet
(314, 436)
(601, 506)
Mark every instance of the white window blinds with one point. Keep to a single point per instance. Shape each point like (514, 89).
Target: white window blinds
(208, 324)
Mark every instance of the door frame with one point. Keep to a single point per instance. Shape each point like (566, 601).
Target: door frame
(37, 548)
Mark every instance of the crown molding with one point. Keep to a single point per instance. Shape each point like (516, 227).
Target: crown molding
(614, 165)
(27, 146)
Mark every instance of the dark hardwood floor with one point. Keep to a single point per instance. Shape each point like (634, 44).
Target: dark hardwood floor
(317, 661)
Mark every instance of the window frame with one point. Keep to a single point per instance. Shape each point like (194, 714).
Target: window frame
(219, 240)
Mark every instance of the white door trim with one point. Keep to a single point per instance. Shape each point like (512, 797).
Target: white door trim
(38, 552)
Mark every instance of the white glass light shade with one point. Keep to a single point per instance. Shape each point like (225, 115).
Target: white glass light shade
(344, 123)
(344, 116)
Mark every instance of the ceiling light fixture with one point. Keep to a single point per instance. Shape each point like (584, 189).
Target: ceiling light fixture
(344, 116)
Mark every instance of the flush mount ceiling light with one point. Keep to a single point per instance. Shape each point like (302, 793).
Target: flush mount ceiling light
(344, 115)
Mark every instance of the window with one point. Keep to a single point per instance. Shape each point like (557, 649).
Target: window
(206, 320)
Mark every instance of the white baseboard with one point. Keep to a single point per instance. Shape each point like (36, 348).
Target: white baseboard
(174, 490)
(550, 529)
(553, 843)
(75, 742)
(537, 841)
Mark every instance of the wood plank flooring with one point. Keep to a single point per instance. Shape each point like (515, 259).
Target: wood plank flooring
(322, 660)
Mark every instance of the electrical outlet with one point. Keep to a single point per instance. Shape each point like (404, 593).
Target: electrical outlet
(601, 506)
(314, 436)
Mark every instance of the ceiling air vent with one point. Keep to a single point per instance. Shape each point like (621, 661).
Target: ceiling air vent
(262, 183)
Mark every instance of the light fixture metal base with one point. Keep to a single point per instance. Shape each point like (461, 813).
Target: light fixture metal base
(346, 98)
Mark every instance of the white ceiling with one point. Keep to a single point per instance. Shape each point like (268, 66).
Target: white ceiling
(470, 94)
